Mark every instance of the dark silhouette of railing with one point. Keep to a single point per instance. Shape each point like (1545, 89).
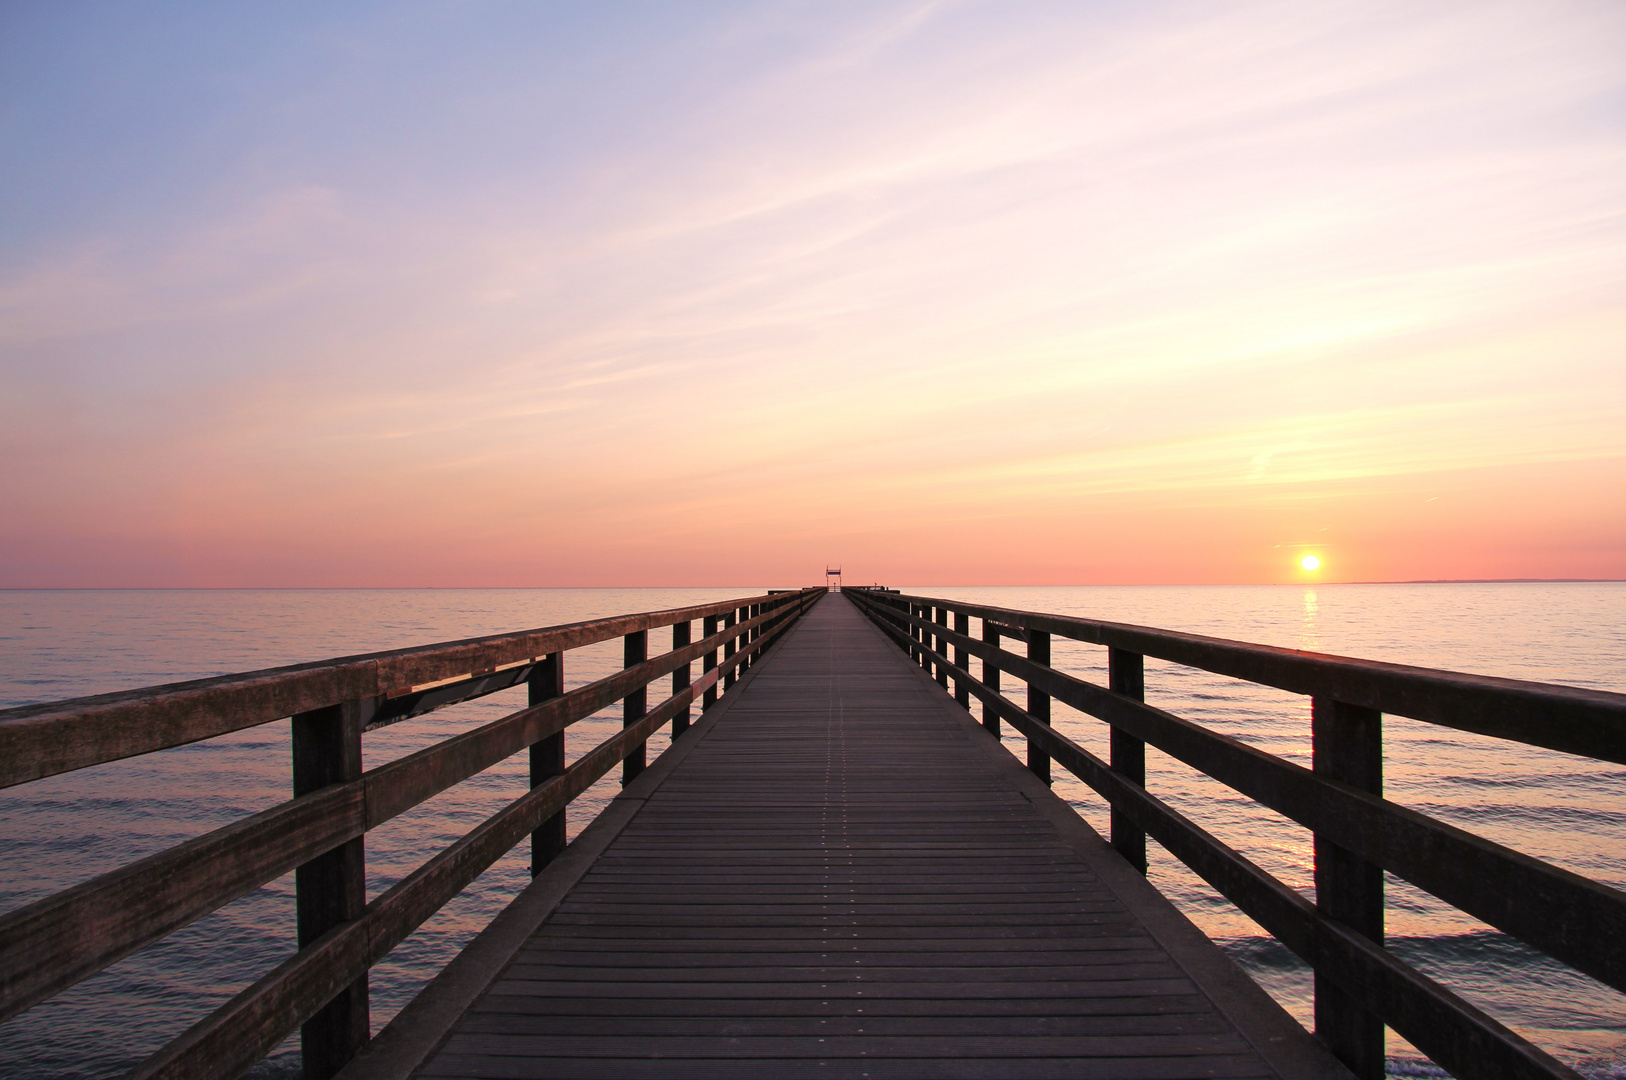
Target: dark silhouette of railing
(1359, 986)
(51, 944)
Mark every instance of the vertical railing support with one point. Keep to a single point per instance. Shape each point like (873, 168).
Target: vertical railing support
(1126, 675)
(708, 627)
(680, 676)
(331, 888)
(547, 682)
(755, 632)
(728, 649)
(962, 692)
(1348, 747)
(926, 640)
(990, 678)
(635, 705)
(941, 645)
(1039, 703)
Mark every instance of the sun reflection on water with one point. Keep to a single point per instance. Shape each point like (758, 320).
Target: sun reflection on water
(1310, 628)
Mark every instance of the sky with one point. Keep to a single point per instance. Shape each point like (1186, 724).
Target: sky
(559, 294)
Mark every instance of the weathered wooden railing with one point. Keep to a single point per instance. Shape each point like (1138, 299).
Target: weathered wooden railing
(1359, 986)
(321, 990)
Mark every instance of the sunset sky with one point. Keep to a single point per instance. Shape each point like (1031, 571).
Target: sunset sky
(717, 293)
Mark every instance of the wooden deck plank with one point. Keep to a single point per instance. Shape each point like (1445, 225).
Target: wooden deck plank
(1006, 1046)
(935, 1010)
(851, 1026)
(844, 878)
(851, 990)
(1203, 1067)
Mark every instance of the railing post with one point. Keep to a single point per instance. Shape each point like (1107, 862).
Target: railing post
(755, 632)
(1126, 675)
(938, 643)
(708, 627)
(635, 704)
(927, 641)
(1039, 703)
(920, 611)
(680, 676)
(331, 888)
(990, 678)
(729, 647)
(547, 682)
(1348, 746)
(962, 692)
(925, 613)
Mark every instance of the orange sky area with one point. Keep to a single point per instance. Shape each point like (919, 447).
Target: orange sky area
(1048, 294)
(1487, 523)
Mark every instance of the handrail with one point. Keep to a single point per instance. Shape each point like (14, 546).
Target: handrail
(53, 737)
(1576, 920)
(1449, 862)
(1591, 723)
(55, 942)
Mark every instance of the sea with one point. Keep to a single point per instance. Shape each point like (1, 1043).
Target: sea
(62, 830)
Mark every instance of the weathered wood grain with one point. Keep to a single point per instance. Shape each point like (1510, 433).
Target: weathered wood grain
(836, 877)
(1579, 921)
(54, 942)
(1453, 1032)
(236, 1035)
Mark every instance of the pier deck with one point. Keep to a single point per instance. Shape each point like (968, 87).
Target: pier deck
(838, 873)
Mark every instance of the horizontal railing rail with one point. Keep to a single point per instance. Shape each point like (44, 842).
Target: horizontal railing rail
(1360, 987)
(1591, 723)
(60, 736)
(55, 942)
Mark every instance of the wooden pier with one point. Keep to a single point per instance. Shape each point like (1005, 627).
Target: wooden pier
(835, 871)
(841, 874)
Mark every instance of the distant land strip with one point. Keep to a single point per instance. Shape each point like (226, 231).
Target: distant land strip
(1494, 581)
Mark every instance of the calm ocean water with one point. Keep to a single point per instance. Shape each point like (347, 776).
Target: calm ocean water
(56, 832)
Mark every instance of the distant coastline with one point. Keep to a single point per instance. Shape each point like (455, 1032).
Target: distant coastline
(1496, 581)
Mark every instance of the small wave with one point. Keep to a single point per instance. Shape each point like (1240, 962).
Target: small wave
(1613, 1071)
(1416, 1069)
(1261, 953)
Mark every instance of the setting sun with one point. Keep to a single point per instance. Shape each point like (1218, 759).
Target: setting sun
(1310, 562)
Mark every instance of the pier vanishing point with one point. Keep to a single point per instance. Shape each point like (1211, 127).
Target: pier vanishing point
(836, 870)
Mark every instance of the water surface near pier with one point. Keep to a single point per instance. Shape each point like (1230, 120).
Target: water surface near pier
(59, 831)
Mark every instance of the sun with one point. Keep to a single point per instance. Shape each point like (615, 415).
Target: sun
(1310, 562)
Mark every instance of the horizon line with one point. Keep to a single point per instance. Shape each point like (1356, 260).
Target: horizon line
(538, 588)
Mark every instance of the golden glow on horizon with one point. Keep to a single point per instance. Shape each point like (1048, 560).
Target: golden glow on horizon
(1310, 562)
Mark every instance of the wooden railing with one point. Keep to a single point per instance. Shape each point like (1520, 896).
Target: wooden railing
(1359, 986)
(321, 990)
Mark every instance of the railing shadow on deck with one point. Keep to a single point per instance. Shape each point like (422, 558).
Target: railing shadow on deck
(321, 991)
(1359, 986)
